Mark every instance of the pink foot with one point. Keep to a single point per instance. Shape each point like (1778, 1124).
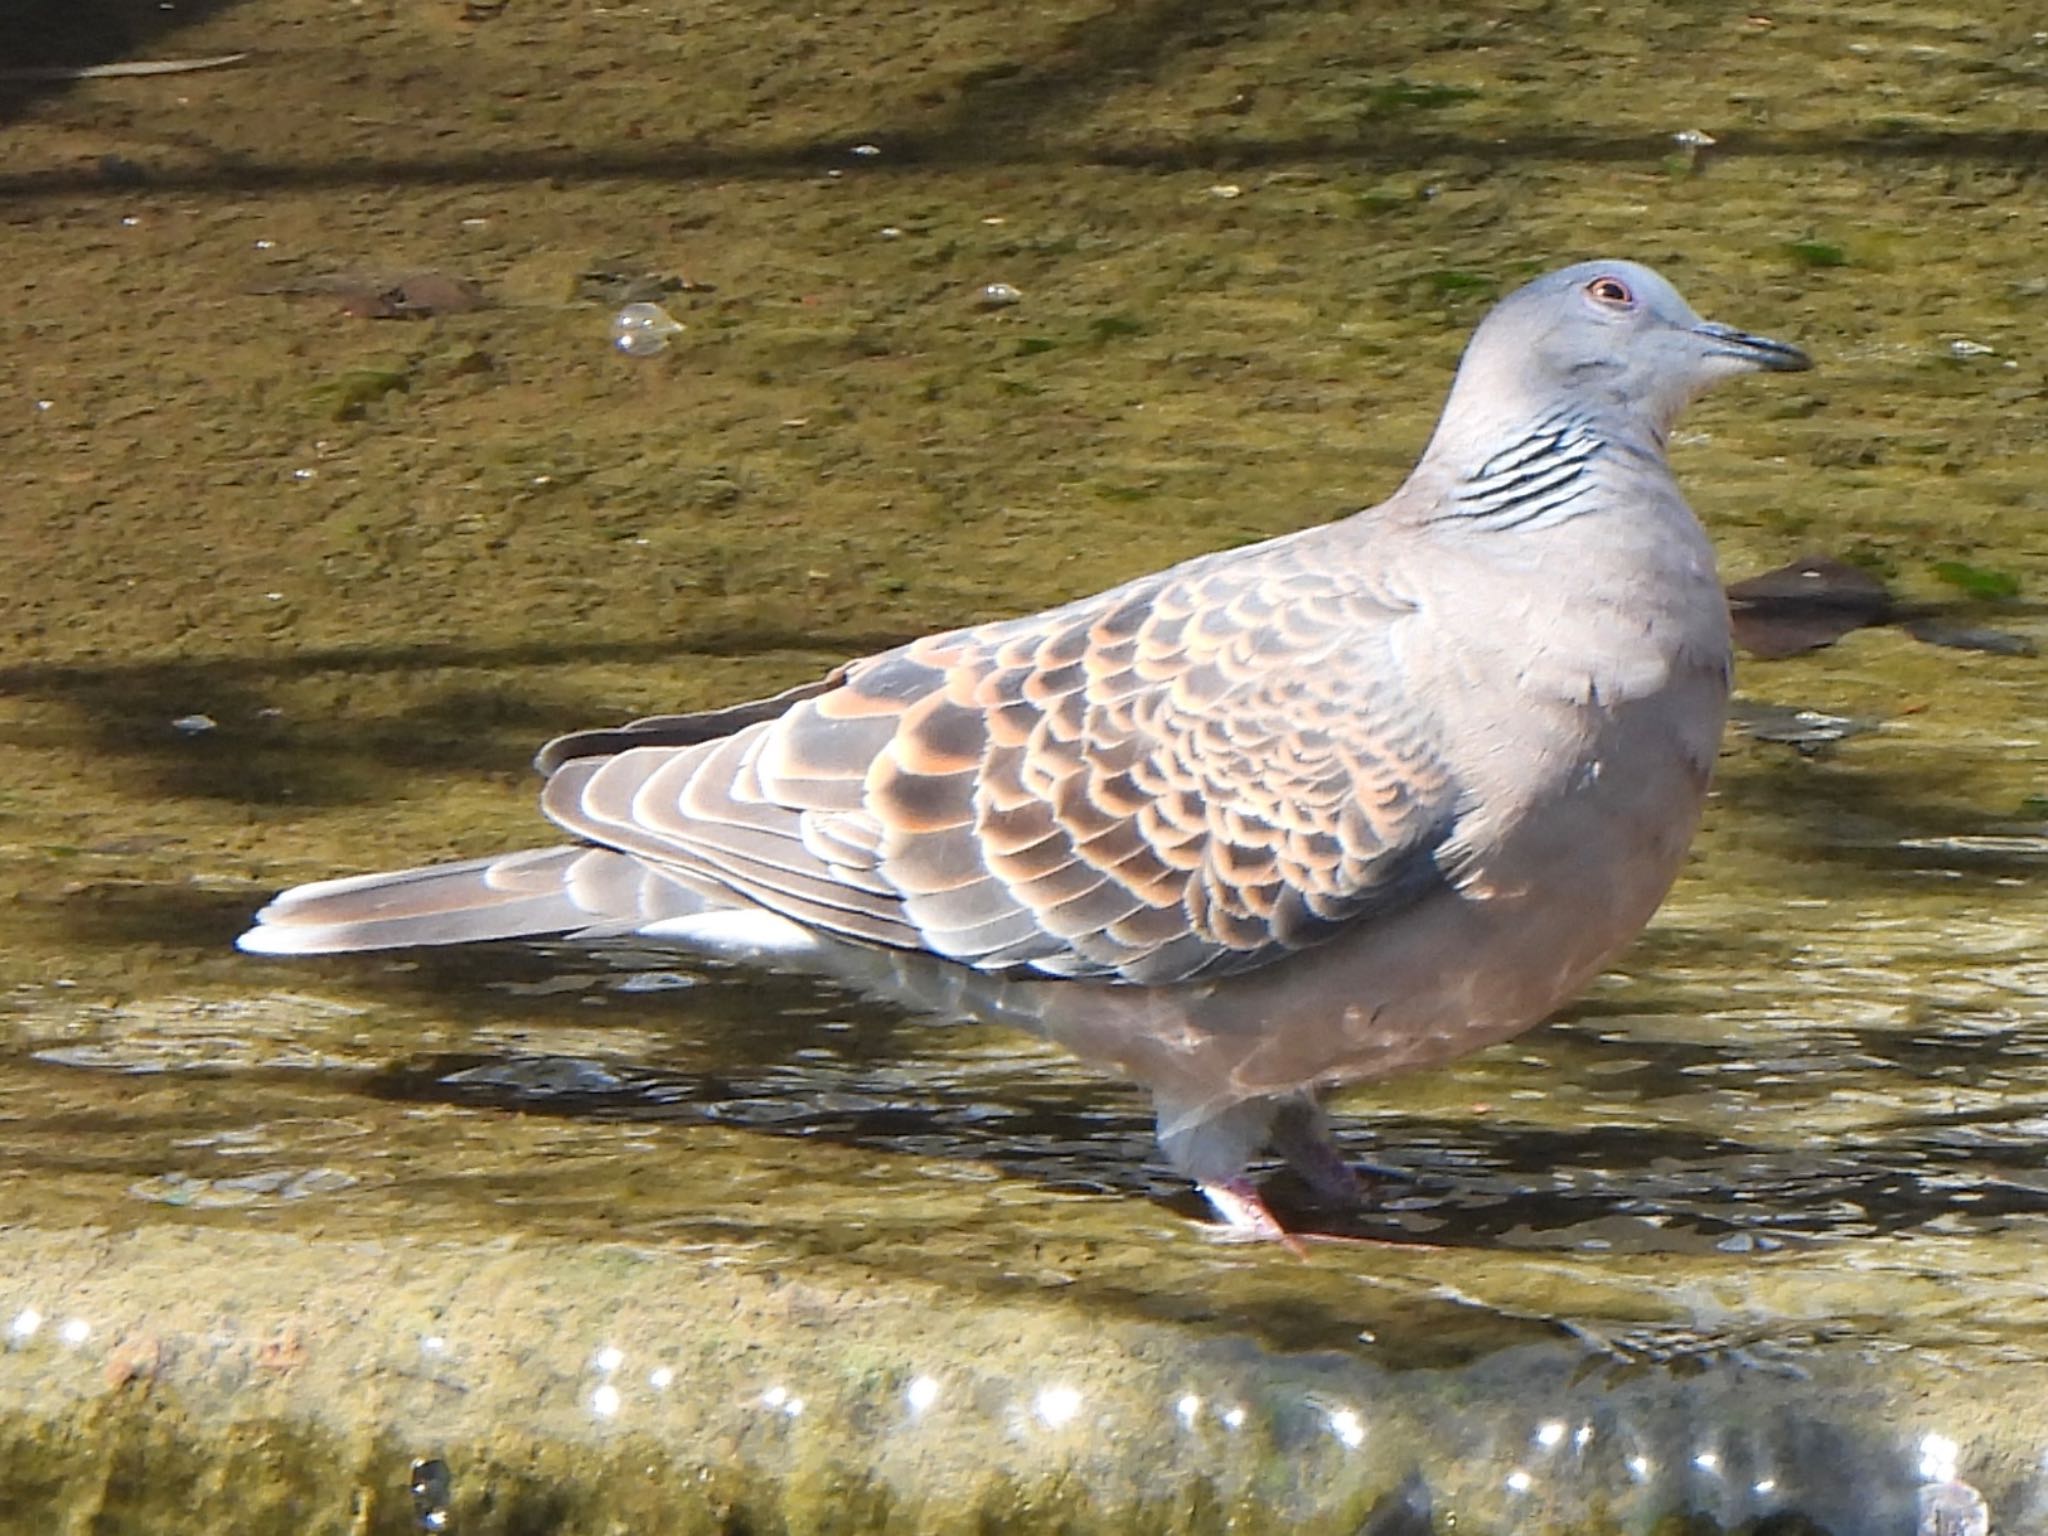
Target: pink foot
(1246, 1218)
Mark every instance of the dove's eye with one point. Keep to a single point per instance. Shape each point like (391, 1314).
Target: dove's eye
(1612, 292)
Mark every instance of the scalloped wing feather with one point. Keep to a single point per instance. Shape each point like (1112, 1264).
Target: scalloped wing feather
(1183, 778)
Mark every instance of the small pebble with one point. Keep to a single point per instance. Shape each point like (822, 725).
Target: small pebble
(999, 296)
(1692, 138)
(1806, 730)
(867, 151)
(1962, 346)
(654, 981)
(194, 725)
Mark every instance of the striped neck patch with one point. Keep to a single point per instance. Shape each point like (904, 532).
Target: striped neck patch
(1540, 479)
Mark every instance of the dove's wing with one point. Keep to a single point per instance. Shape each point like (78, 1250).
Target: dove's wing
(1187, 776)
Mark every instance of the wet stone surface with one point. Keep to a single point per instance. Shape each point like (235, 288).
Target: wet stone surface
(546, 1239)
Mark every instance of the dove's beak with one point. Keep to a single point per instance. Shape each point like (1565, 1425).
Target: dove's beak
(1755, 351)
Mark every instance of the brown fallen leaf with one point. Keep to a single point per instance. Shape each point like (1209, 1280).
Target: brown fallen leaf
(1817, 599)
(1803, 606)
(414, 296)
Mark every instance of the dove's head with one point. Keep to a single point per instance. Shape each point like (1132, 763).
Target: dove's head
(1612, 336)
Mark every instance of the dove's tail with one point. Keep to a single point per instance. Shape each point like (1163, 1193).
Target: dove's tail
(581, 891)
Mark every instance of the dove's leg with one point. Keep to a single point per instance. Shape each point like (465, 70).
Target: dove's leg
(1212, 1148)
(1301, 1135)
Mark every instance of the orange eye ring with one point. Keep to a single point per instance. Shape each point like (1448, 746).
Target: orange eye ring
(1612, 292)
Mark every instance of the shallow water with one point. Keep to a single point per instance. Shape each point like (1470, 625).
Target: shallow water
(1801, 1122)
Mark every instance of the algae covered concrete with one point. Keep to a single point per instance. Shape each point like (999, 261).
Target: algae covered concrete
(1747, 1241)
(606, 1387)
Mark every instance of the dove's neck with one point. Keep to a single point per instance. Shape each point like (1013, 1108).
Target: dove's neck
(1520, 464)
(1528, 474)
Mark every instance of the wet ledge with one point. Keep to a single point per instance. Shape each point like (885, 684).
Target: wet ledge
(201, 1378)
